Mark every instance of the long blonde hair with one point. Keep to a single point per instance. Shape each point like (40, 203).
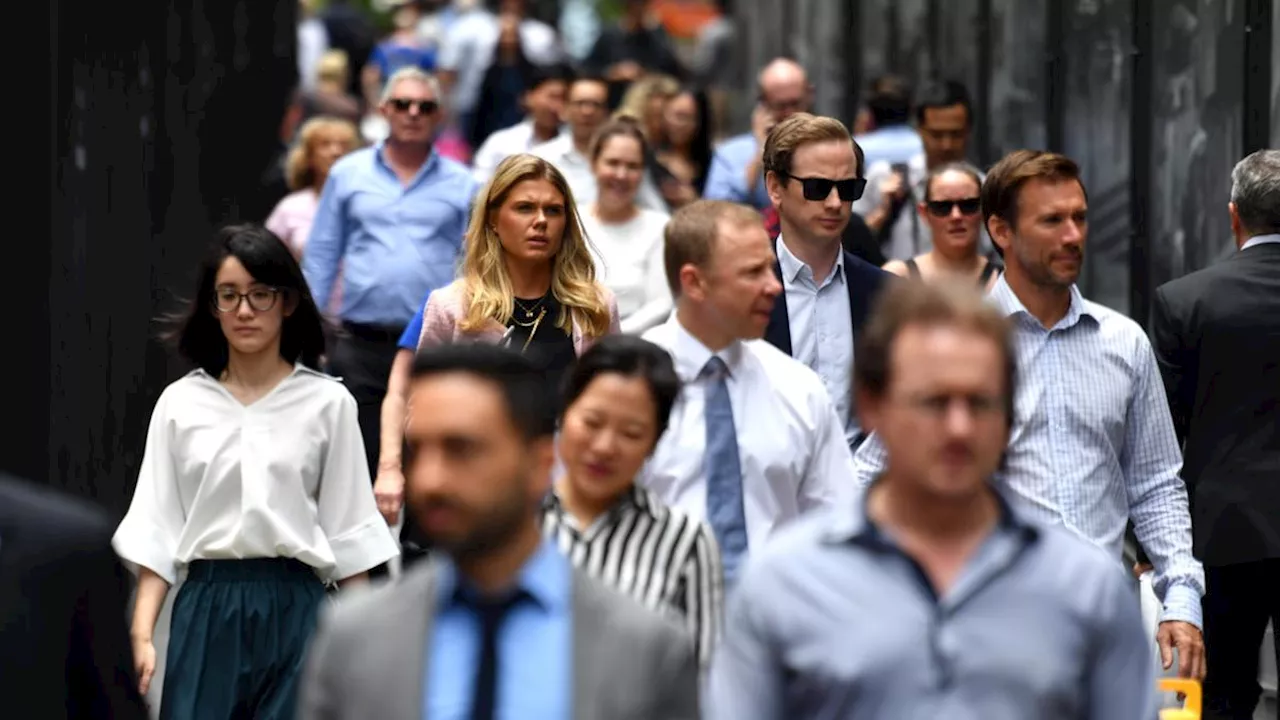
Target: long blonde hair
(487, 286)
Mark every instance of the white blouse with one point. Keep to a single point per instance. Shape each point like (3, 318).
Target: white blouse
(629, 262)
(285, 476)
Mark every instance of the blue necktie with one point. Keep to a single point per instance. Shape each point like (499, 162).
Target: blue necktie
(724, 471)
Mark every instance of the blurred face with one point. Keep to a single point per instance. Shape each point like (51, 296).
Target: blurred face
(328, 145)
(653, 116)
(786, 97)
(587, 107)
(530, 222)
(546, 104)
(607, 433)
(737, 289)
(942, 418)
(945, 135)
(1046, 245)
(680, 120)
(471, 479)
(953, 212)
(412, 110)
(251, 314)
(619, 169)
(815, 220)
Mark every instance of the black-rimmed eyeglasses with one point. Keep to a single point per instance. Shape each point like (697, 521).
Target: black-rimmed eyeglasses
(260, 299)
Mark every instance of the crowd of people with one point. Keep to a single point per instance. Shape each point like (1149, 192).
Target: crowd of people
(607, 420)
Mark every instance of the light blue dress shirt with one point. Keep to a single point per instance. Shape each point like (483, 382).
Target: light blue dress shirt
(395, 242)
(833, 620)
(822, 329)
(893, 144)
(727, 178)
(535, 648)
(1093, 444)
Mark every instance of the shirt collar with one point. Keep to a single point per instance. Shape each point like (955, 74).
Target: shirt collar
(633, 497)
(691, 355)
(1257, 240)
(792, 266)
(428, 165)
(545, 577)
(1004, 298)
(858, 528)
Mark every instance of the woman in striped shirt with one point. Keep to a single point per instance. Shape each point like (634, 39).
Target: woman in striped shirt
(617, 402)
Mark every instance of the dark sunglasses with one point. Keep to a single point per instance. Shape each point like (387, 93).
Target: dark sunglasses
(425, 107)
(942, 208)
(819, 189)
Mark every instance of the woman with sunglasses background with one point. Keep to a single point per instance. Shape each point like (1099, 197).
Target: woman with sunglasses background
(952, 210)
(253, 484)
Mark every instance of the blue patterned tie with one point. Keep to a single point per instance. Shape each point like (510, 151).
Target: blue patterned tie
(724, 471)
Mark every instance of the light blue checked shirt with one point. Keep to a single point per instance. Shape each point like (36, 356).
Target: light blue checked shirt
(1093, 443)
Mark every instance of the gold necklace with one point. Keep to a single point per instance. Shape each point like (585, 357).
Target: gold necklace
(536, 322)
(528, 311)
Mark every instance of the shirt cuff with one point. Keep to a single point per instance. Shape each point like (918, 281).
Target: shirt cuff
(362, 548)
(1182, 603)
(143, 545)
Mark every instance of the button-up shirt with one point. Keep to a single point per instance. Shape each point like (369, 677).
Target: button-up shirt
(1093, 443)
(535, 645)
(834, 620)
(727, 177)
(577, 172)
(499, 146)
(893, 144)
(791, 445)
(822, 329)
(395, 242)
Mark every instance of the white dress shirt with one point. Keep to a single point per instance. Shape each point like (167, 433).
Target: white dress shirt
(285, 476)
(791, 445)
(1257, 240)
(822, 329)
(629, 262)
(501, 145)
(576, 169)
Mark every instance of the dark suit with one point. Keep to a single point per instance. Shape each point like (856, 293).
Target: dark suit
(64, 646)
(1217, 336)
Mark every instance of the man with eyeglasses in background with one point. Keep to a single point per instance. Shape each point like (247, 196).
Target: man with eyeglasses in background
(586, 108)
(813, 172)
(391, 220)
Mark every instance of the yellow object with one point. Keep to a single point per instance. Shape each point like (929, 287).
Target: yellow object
(1190, 709)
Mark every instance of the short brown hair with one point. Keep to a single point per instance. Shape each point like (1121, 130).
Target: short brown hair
(1006, 178)
(693, 230)
(624, 126)
(797, 131)
(948, 303)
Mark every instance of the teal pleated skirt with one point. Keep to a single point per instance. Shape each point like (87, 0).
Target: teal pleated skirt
(238, 638)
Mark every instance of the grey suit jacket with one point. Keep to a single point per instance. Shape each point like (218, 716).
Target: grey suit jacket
(368, 656)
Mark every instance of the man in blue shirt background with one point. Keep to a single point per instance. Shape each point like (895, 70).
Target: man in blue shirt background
(391, 220)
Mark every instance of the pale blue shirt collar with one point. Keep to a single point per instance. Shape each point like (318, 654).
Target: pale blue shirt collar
(691, 355)
(1257, 240)
(1005, 299)
(792, 266)
(546, 577)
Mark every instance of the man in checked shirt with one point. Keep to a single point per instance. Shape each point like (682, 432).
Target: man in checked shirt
(1093, 443)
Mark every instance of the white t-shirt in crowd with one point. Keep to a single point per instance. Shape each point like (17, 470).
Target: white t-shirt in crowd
(629, 262)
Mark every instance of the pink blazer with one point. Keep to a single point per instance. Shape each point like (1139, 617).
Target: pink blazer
(444, 310)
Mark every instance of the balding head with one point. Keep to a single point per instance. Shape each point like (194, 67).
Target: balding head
(784, 88)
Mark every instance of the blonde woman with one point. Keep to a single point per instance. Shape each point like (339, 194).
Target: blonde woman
(320, 143)
(645, 101)
(527, 280)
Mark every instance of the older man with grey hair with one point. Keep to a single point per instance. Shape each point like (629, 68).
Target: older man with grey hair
(390, 223)
(1217, 337)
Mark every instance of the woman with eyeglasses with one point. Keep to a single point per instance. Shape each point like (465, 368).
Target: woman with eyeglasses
(952, 210)
(617, 403)
(254, 485)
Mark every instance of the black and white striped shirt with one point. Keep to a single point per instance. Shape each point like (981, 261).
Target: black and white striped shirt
(662, 557)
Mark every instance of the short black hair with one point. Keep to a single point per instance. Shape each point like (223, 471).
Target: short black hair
(943, 94)
(581, 77)
(265, 256)
(890, 101)
(530, 403)
(538, 75)
(629, 356)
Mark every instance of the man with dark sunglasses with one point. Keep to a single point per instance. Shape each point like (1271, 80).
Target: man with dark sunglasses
(391, 220)
(813, 173)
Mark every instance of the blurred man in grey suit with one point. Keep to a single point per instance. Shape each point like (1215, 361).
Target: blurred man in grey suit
(501, 625)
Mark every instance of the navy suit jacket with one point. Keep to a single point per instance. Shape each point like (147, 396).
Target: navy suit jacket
(863, 281)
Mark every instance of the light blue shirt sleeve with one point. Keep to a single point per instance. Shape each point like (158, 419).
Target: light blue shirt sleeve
(1121, 670)
(326, 244)
(746, 678)
(727, 177)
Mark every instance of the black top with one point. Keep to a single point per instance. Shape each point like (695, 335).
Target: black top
(549, 347)
(987, 271)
